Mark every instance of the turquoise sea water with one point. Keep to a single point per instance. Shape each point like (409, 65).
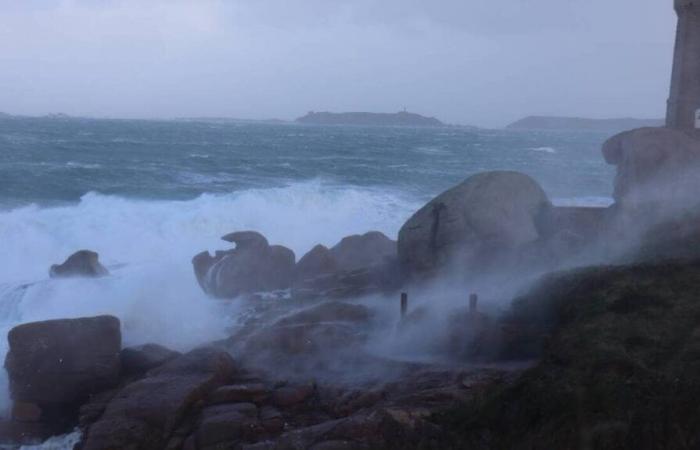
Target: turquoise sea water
(49, 161)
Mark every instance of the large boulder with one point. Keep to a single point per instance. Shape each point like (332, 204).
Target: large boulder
(657, 169)
(486, 216)
(83, 263)
(146, 413)
(318, 261)
(63, 361)
(362, 251)
(252, 266)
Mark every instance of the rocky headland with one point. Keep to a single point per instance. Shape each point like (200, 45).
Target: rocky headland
(595, 347)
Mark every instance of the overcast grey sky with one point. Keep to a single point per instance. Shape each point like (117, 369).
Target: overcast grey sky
(483, 62)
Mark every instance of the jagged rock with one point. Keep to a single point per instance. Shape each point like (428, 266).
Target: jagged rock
(252, 266)
(63, 361)
(317, 261)
(139, 360)
(145, 413)
(83, 263)
(474, 224)
(362, 251)
(656, 168)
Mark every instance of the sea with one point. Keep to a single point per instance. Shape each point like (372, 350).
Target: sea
(149, 195)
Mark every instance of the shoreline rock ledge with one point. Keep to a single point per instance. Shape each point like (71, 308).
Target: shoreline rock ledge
(54, 366)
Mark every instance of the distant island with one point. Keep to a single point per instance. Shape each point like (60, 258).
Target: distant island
(403, 118)
(582, 124)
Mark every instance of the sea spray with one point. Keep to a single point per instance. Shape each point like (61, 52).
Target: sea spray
(148, 245)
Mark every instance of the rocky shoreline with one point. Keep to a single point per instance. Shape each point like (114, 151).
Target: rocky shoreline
(575, 360)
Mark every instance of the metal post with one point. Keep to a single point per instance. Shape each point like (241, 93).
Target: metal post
(404, 304)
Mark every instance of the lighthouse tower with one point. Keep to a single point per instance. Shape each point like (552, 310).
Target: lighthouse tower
(684, 101)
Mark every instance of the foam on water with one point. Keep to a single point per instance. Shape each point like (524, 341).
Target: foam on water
(148, 246)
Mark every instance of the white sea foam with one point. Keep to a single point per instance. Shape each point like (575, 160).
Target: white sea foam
(79, 165)
(543, 149)
(65, 442)
(148, 245)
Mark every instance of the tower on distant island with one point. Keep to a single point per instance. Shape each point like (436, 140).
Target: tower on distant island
(684, 102)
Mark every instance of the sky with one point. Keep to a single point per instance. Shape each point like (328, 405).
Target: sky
(478, 62)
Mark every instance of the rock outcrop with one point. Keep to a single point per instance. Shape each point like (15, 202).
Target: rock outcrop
(472, 225)
(252, 266)
(358, 265)
(657, 169)
(53, 368)
(139, 360)
(318, 261)
(83, 263)
(147, 413)
(63, 361)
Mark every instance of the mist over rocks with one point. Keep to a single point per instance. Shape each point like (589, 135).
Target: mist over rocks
(83, 263)
(657, 168)
(472, 225)
(357, 264)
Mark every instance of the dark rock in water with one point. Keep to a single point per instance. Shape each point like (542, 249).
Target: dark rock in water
(63, 361)
(141, 359)
(252, 266)
(472, 225)
(318, 261)
(83, 263)
(620, 364)
(362, 251)
(146, 413)
(657, 168)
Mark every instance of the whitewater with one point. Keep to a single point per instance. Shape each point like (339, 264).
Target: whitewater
(147, 196)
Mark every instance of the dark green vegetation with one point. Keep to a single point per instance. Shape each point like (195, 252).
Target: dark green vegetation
(620, 365)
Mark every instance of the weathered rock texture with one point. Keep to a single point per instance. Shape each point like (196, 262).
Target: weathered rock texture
(63, 361)
(146, 413)
(252, 266)
(473, 224)
(684, 100)
(83, 263)
(358, 265)
(141, 359)
(657, 169)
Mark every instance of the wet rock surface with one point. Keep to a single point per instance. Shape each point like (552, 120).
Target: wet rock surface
(63, 361)
(83, 263)
(146, 413)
